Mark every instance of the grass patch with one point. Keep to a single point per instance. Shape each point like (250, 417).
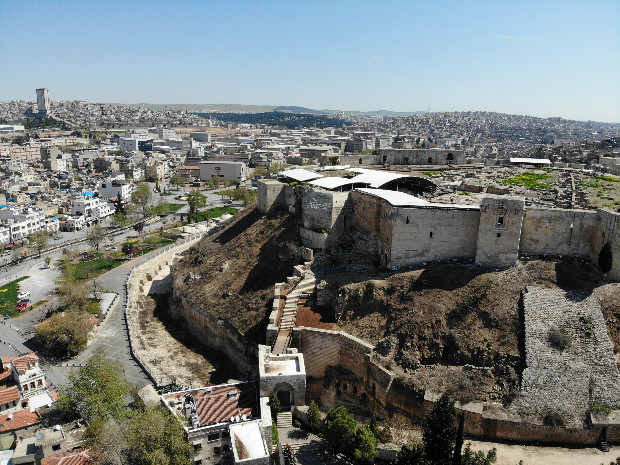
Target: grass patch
(430, 173)
(8, 297)
(88, 270)
(173, 207)
(215, 213)
(464, 193)
(608, 178)
(530, 180)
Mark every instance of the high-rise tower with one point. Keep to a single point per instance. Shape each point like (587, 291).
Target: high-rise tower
(43, 101)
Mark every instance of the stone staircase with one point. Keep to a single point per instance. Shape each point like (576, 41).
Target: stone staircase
(284, 420)
(301, 291)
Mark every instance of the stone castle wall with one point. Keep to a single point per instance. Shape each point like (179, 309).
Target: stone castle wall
(559, 232)
(499, 232)
(215, 332)
(422, 156)
(376, 389)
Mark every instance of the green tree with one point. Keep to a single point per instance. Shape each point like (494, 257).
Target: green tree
(471, 457)
(120, 220)
(259, 172)
(340, 429)
(177, 180)
(95, 237)
(141, 196)
(411, 455)
(39, 240)
(365, 444)
(96, 391)
(155, 437)
(64, 334)
(374, 425)
(47, 260)
(275, 406)
(195, 200)
(314, 415)
(440, 432)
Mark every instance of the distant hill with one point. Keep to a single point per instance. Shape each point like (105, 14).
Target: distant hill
(203, 107)
(238, 108)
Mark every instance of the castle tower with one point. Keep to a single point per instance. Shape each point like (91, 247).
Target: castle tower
(499, 233)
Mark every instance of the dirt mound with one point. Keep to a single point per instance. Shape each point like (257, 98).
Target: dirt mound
(451, 326)
(232, 274)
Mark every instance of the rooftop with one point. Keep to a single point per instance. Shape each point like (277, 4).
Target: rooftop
(215, 404)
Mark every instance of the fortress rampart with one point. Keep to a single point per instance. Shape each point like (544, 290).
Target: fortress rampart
(496, 233)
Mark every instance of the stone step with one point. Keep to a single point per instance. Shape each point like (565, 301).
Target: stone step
(284, 420)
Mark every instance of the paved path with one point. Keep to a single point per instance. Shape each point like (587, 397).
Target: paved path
(308, 448)
(111, 337)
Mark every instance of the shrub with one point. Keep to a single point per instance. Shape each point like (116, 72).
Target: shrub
(558, 338)
(553, 418)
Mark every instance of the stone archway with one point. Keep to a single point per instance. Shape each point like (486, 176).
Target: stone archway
(285, 394)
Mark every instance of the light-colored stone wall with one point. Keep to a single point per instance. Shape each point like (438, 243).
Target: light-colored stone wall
(558, 232)
(609, 233)
(271, 195)
(499, 234)
(215, 332)
(328, 211)
(422, 156)
(420, 234)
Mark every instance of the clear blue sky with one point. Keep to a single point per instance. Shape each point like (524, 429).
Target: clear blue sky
(541, 58)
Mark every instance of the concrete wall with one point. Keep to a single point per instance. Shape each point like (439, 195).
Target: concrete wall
(420, 234)
(499, 234)
(422, 156)
(558, 232)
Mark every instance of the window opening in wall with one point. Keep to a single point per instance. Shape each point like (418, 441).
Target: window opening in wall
(500, 221)
(499, 234)
(374, 389)
(226, 447)
(213, 437)
(225, 434)
(354, 389)
(605, 258)
(431, 234)
(338, 393)
(344, 387)
(216, 450)
(430, 160)
(406, 160)
(360, 161)
(407, 220)
(384, 158)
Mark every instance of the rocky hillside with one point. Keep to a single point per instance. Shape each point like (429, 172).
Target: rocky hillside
(456, 327)
(232, 274)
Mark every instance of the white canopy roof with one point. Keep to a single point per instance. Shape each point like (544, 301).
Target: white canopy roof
(375, 178)
(300, 174)
(531, 161)
(401, 199)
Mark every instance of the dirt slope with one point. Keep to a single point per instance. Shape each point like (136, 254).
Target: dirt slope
(238, 268)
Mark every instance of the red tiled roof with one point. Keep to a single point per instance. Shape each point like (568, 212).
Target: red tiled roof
(81, 457)
(21, 363)
(9, 395)
(21, 419)
(217, 406)
(5, 374)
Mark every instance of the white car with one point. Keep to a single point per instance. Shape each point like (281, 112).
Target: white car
(23, 295)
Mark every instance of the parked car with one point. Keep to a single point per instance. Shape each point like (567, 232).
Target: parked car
(23, 295)
(21, 306)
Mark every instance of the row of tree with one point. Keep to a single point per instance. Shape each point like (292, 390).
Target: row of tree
(442, 438)
(121, 429)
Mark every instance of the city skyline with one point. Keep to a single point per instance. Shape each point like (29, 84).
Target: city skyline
(541, 59)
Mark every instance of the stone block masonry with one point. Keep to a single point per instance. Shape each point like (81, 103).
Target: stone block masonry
(572, 381)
